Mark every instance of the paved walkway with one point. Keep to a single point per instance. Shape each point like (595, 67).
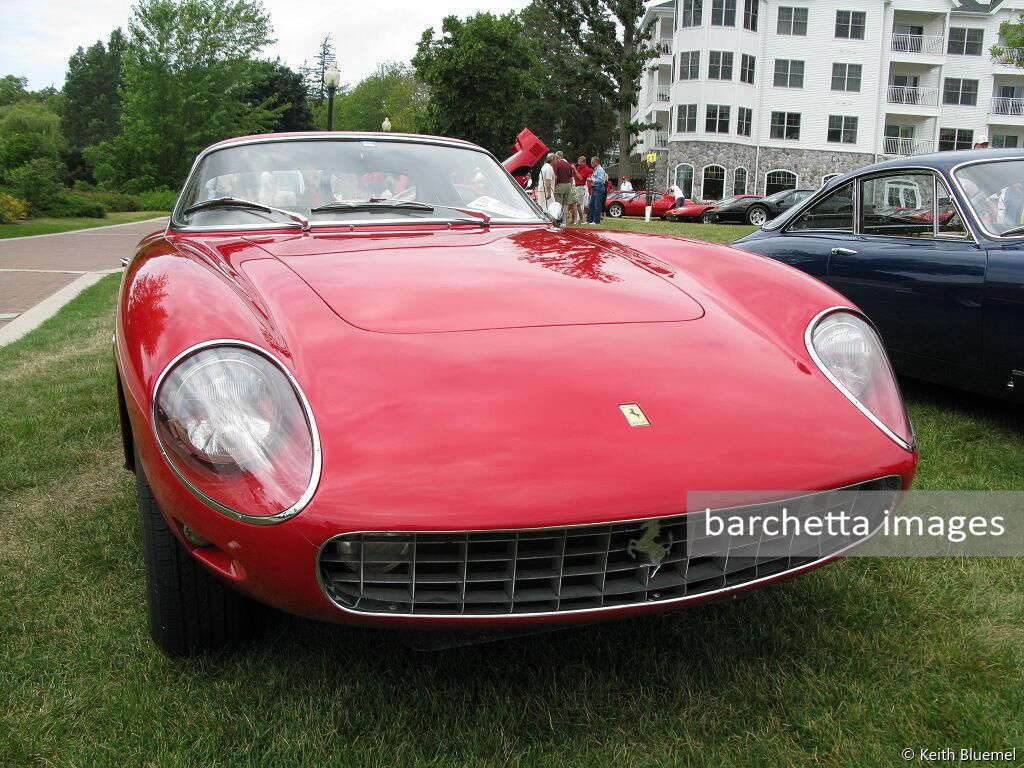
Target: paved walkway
(40, 274)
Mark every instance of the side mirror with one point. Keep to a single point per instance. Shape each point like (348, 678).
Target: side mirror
(555, 213)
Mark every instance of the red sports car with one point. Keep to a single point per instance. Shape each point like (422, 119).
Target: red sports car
(362, 378)
(691, 210)
(620, 203)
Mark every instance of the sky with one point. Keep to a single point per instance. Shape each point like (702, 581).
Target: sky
(38, 36)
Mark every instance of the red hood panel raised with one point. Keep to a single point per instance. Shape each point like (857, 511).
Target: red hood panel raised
(461, 281)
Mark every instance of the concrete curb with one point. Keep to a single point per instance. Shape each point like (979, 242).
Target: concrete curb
(32, 318)
(86, 230)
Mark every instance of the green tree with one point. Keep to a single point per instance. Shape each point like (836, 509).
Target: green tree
(574, 111)
(610, 34)
(1010, 49)
(91, 111)
(393, 91)
(29, 130)
(12, 89)
(481, 74)
(187, 69)
(277, 86)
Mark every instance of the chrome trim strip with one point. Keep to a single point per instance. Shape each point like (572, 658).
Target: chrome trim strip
(963, 193)
(809, 343)
(443, 141)
(454, 618)
(314, 478)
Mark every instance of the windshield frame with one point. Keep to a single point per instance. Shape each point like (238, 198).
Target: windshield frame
(177, 225)
(954, 175)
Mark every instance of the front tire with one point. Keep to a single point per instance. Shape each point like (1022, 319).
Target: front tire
(757, 215)
(191, 611)
(615, 210)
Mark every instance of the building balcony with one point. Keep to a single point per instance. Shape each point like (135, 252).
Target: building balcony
(1007, 106)
(911, 96)
(896, 147)
(931, 45)
(656, 140)
(664, 47)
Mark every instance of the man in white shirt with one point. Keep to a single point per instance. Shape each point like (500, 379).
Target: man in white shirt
(625, 186)
(677, 193)
(546, 182)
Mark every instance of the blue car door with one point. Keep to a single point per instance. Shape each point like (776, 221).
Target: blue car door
(915, 269)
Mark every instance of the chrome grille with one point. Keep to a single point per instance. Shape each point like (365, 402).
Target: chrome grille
(549, 570)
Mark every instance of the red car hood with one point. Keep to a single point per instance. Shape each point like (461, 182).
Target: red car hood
(428, 282)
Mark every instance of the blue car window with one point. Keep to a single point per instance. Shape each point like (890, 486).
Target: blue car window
(833, 213)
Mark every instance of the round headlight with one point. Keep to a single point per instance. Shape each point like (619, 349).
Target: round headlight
(849, 352)
(234, 426)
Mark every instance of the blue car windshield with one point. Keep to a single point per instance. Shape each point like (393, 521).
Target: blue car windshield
(995, 190)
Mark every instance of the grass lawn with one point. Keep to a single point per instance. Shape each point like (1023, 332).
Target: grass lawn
(47, 226)
(846, 666)
(713, 233)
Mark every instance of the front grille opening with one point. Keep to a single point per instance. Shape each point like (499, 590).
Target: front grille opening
(557, 570)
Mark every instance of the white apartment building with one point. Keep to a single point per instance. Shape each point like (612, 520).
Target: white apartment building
(755, 96)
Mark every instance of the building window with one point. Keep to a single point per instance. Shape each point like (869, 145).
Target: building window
(693, 13)
(717, 119)
(747, 63)
(686, 118)
(713, 183)
(850, 24)
(966, 42)
(1003, 141)
(720, 65)
(777, 181)
(962, 92)
(792, 21)
(723, 13)
(684, 179)
(689, 65)
(785, 125)
(789, 73)
(750, 9)
(846, 77)
(744, 120)
(842, 129)
(828, 177)
(955, 138)
(739, 181)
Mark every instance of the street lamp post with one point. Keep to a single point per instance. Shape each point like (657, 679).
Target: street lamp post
(332, 79)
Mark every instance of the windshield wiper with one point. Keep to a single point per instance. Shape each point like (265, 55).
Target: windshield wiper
(1014, 231)
(238, 202)
(385, 204)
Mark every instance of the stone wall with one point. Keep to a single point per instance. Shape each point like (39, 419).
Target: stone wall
(809, 165)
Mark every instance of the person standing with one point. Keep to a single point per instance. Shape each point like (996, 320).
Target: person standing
(583, 172)
(678, 195)
(546, 183)
(598, 190)
(564, 185)
(625, 186)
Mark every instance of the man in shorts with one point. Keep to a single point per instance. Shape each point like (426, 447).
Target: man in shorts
(583, 172)
(564, 186)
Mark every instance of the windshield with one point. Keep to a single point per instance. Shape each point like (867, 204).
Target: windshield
(303, 175)
(996, 193)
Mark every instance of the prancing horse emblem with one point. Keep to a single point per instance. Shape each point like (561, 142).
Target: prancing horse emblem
(649, 546)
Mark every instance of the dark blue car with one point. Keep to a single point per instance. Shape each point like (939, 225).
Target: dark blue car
(932, 249)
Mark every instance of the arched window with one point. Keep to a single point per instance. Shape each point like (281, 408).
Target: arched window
(828, 177)
(739, 181)
(684, 179)
(713, 183)
(776, 181)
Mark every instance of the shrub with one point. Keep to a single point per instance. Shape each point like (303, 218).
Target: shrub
(12, 208)
(112, 201)
(161, 199)
(38, 182)
(74, 205)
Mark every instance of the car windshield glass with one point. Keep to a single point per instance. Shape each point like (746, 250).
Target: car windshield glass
(996, 193)
(317, 178)
(727, 201)
(778, 196)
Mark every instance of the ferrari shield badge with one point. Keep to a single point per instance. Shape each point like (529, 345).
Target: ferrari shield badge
(634, 415)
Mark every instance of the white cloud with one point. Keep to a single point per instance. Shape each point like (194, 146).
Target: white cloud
(38, 37)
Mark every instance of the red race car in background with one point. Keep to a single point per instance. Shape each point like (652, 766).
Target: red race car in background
(691, 210)
(362, 379)
(620, 203)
